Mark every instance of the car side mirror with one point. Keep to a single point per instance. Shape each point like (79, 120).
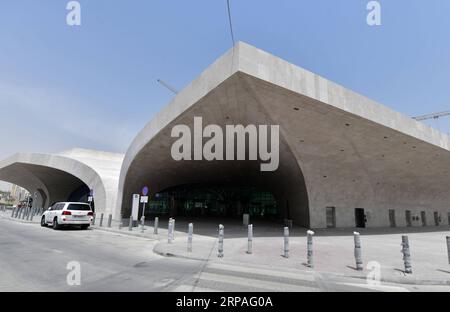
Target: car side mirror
(49, 209)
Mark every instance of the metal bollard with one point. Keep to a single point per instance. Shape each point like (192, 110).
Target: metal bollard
(24, 213)
(31, 216)
(13, 211)
(358, 253)
(190, 234)
(310, 248)
(109, 220)
(173, 229)
(155, 229)
(120, 222)
(169, 232)
(250, 239)
(286, 242)
(406, 254)
(448, 248)
(28, 214)
(142, 224)
(130, 224)
(101, 220)
(221, 235)
(93, 218)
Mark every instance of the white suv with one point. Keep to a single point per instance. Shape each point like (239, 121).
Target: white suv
(68, 213)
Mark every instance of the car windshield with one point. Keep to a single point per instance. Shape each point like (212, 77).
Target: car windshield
(81, 207)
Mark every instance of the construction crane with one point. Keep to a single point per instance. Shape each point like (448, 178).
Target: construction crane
(169, 87)
(432, 116)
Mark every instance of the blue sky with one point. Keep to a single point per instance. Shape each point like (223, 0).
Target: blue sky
(94, 86)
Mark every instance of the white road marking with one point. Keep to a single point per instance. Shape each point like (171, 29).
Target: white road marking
(386, 288)
(302, 276)
(256, 283)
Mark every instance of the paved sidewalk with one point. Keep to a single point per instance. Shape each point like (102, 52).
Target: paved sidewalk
(333, 249)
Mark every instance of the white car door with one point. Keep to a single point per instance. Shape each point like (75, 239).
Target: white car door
(50, 213)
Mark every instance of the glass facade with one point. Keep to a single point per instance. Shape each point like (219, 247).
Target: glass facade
(200, 200)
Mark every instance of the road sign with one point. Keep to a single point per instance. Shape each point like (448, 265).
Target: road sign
(90, 199)
(144, 199)
(145, 191)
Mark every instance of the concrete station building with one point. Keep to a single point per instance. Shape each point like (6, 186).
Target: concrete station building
(344, 160)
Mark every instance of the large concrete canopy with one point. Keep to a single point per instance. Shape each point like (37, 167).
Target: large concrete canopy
(61, 176)
(338, 149)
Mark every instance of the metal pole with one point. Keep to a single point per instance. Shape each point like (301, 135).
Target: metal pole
(310, 249)
(286, 242)
(250, 239)
(155, 230)
(109, 220)
(13, 211)
(170, 228)
(448, 248)
(93, 218)
(173, 229)
(358, 253)
(406, 254)
(32, 215)
(190, 234)
(142, 224)
(221, 235)
(101, 220)
(130, 224)
(120, 222)
(24, 213)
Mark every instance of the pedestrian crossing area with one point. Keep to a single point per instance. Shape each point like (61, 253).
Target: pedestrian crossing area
(221, 277)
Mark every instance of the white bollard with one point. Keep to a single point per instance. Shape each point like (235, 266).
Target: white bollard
(250, 239)
(190, 234)
(286, 242)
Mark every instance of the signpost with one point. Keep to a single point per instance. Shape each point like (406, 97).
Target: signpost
(144, 199)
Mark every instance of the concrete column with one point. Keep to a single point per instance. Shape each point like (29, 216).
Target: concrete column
(358, 252)
(406, 254)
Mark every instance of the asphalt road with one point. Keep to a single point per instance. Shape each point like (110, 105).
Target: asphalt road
(35, 259)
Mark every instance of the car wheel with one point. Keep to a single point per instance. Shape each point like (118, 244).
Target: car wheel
(55, 224)
(84, 227)
(43, 224)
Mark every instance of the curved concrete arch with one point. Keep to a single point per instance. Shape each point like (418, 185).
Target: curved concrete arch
(59, 176)
(340, 148)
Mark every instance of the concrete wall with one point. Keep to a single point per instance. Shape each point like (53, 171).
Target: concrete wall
(350, 151)
(56, 177)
